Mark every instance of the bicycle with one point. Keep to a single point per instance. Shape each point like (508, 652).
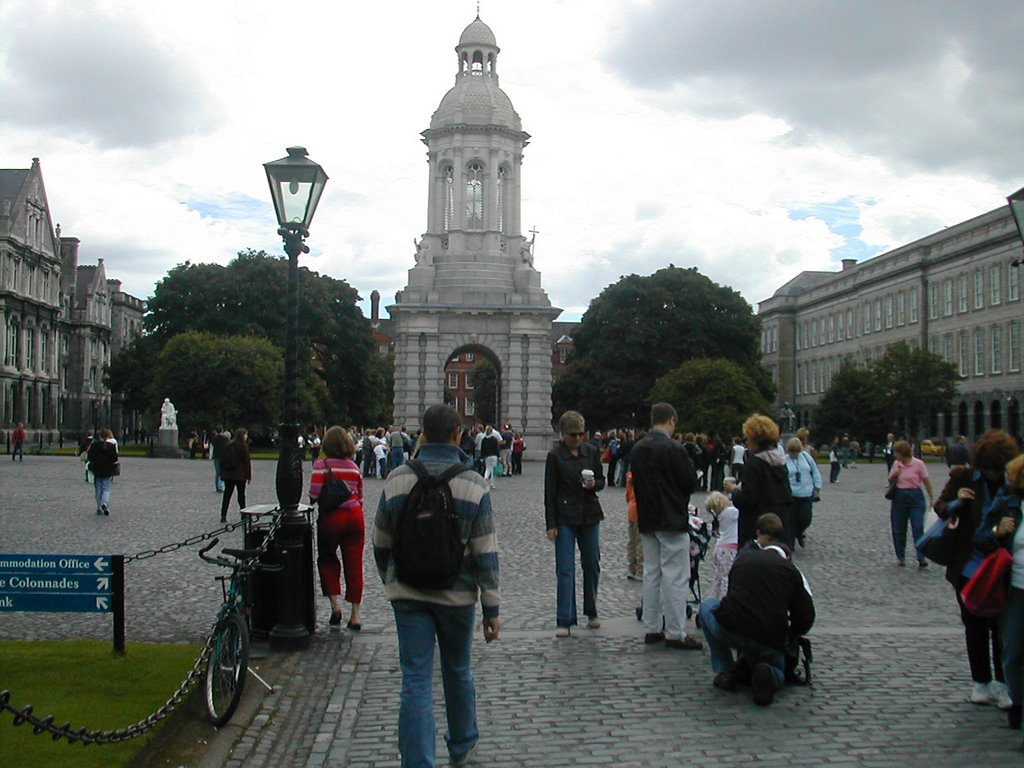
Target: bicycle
(228, 664)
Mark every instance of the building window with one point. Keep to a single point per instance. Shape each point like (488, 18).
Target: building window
(11, 357)
(840, 328)
(798, 340)
(878, 314)
(964, 353)
(933, 345)
(831, 328)
(775, 338)
(913, 305)
(849, 323)
(888, 311)
(469, 357)
(453, 381)
(499, 199)
(30, 349)
(44, 350)
(997, 350)
(1013, 284)
(947, 298)
(448, 191)
(995, 278)
(1013, 339)
(866, 315)
(469, 379)
(475, 196)
(901, 308)
(979, 289)
(470, 407)
(933, 301)
(563, 355)
(961, 293)
(979, 352)
(947, 348)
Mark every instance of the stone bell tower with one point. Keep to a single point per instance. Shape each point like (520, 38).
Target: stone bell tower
(473, 287)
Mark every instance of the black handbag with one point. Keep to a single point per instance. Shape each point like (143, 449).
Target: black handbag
(333, 494)
(890, 492)
(938, 543)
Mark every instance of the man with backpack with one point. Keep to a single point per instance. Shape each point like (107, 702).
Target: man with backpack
(435, 549)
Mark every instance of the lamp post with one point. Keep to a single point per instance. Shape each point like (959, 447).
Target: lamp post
(296, 183)
(1016, 201)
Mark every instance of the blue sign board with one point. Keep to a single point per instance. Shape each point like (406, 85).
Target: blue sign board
(62, 583)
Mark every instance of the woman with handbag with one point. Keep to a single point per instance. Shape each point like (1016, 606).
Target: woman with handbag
(339, 527)
(1001, 528)
(908, 502)
(805, 485)
(968, 493)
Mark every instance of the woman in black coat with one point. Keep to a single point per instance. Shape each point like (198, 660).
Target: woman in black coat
(235, 470)
(765, 486)
(572, 477)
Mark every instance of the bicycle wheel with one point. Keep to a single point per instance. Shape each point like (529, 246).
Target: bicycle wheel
(226, 669)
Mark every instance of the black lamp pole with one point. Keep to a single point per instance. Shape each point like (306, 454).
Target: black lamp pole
(296, 184)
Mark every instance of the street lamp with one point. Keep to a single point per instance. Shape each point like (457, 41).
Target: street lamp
(1016, 201)
(296, 183)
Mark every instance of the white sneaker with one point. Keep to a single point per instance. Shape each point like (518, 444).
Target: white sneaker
(562, 632)
(593, 622)
(1000, 695)
(980, 694)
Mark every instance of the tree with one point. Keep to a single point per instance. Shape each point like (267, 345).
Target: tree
(640, 328)
(894, 393)
(710, 395)
(248, 298)
(229, 380)
(485, 391)
(131, 374)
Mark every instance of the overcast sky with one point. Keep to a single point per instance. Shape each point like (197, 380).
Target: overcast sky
(751, 139)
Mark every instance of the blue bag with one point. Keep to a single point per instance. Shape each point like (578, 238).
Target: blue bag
(938, 542)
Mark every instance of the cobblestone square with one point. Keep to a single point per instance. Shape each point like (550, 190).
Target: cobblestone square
(890, 669)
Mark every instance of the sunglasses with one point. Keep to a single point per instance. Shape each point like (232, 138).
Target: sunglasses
(575, 434)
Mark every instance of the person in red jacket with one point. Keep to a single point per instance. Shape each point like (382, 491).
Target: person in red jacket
(18, 442)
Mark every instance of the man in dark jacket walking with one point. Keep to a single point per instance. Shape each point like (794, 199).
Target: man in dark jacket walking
(768, 604)
(663, 479)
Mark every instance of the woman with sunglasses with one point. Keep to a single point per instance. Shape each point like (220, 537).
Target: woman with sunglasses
(572, 512)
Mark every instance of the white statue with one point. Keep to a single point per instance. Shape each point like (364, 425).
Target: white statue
(423, 256)
(526, 251)
(168, 416)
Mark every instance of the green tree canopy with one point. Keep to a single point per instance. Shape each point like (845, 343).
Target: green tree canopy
(640, 328)
(233, 381)
(895, 393)
(710, 395)
(248, 298)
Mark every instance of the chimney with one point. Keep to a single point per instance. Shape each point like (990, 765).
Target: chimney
(849, 263)
(375, 308)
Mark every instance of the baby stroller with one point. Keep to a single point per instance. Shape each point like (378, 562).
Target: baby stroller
(700, 538)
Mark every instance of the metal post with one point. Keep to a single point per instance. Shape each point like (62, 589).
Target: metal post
(289, 632)
(117, 598)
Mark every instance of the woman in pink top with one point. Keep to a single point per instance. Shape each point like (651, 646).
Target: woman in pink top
(909, 502)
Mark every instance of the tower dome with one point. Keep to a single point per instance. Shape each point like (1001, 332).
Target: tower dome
(476, 98)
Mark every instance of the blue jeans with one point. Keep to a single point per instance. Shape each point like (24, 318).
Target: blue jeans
(722, 641)
(418, 624)
(1012, 625)
(218, 484)
(102, 487)
(397, 457)
(588, 538)
(909, 505)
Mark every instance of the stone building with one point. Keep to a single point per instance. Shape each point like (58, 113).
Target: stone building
(57, 320)
(473, 288)
(955, 292)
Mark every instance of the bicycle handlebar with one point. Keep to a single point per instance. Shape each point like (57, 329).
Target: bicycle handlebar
(244, 559)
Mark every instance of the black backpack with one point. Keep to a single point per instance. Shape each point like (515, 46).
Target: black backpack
(428, 545)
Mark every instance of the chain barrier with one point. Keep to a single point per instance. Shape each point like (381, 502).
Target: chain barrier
(41, 725)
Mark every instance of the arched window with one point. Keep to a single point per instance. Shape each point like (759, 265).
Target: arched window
(500, 199)
(478, 63)
(475, 196)
(448, 192)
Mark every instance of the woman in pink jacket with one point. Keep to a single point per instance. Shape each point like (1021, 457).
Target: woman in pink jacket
(908, 504)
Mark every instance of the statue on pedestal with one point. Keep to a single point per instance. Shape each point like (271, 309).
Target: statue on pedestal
(168, 416)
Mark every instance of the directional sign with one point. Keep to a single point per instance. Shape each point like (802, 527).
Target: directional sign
(62, 583)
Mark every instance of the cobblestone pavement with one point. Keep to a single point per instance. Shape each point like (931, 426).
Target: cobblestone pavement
(890, 669)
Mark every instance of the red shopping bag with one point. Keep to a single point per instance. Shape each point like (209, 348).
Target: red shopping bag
(987, 591)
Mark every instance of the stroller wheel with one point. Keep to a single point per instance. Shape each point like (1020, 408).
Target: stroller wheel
(689, 611)
(697, 621)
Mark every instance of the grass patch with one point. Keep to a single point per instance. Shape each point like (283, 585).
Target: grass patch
(83, 682)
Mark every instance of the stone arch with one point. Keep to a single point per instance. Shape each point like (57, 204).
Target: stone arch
(457, 381)
(979, 418)
(996, 415)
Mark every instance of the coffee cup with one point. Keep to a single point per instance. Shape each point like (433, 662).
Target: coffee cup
(587, 475)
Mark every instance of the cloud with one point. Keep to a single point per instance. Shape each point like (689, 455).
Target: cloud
(95, 77)
(935, 85)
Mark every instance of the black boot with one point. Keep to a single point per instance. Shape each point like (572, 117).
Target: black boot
(1013, 716)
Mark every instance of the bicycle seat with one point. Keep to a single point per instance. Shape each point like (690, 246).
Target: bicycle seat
(241, 554)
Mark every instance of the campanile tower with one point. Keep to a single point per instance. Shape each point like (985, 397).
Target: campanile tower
(473, 288)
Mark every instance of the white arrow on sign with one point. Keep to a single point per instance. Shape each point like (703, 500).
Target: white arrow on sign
(100, 564)
(101, 602)
(102, 582)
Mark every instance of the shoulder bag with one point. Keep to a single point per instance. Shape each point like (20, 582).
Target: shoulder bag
(939, 541)
(988, 589)
(333, 493)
